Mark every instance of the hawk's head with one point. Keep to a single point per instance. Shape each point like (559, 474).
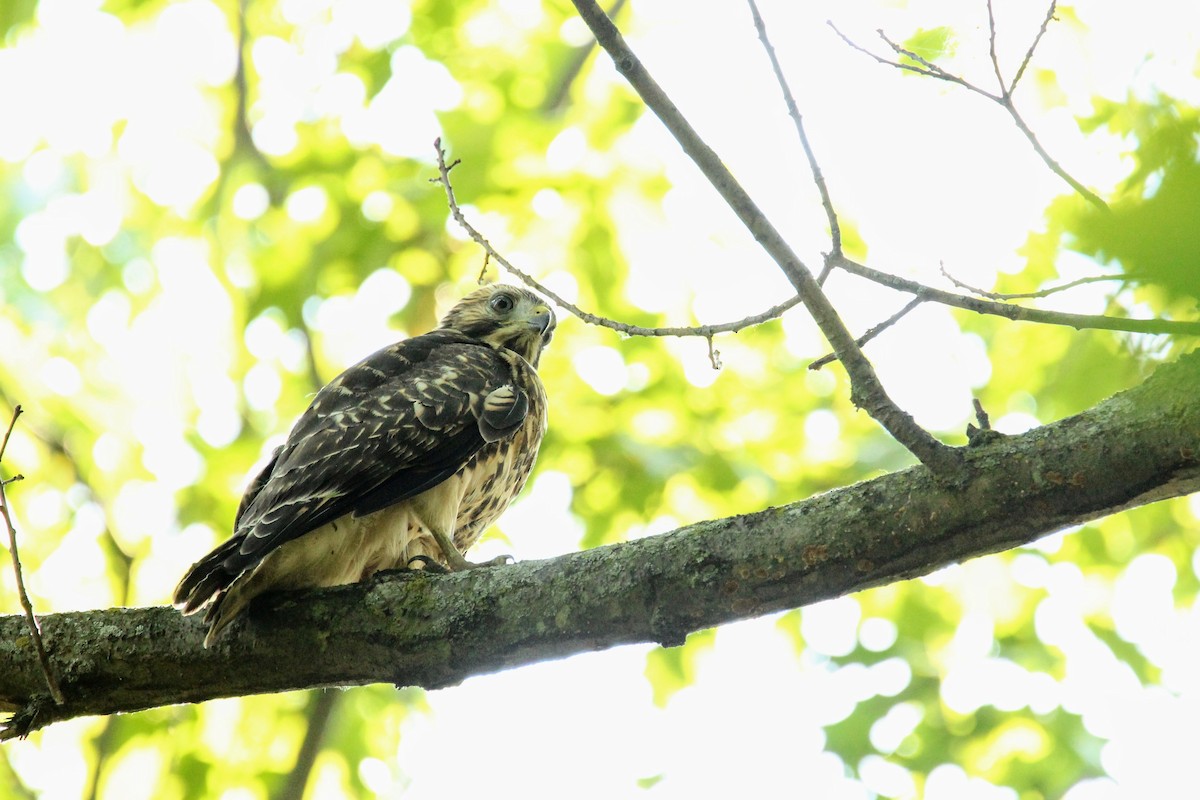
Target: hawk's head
(505, 316)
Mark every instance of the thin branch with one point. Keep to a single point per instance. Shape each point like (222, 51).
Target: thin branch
(1051, 162)
(835, 229)
(866, 391)
(34, 631)
(929, 67)
(103, 745)
(1062, 287)
(826, 268)
(1033, 46)
(705, 331)
(54, 439)
(1020, 313)
(932, 71)
(992, 49)
(557, 98)
(321, 704)
(872, 332)
(926, 67)
(1004, 99)
(242, 137)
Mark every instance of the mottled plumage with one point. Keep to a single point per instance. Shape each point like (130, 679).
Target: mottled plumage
(412, 452)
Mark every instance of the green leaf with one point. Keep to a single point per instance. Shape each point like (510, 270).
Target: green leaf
(14, 15)
(930, 44)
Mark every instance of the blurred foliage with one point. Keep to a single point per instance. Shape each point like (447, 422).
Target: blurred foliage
(158, 355)
(1151, 232)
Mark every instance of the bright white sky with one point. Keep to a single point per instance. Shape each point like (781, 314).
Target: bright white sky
(928, 172)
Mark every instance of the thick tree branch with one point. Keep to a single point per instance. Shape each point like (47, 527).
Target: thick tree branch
(1136, 448)
(866, 392)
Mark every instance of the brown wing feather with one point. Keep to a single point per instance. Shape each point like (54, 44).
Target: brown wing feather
(395, 424)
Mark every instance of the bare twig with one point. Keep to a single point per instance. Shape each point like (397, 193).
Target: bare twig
(1033, 46)
(714, 355)
(923, 66)
(120, 562)
(1015, 312)
(835, 230)
(1051, 162)
(54, 439)
(992, 48)
(1004, 99)
(34, 631)
(1062, 287)
(826, 268)
(705, 331)
(865, 389)
(872, 332)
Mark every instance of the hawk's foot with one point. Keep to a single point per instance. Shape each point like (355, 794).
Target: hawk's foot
(427, 565)
(458, 564)
(455, 560)
(498, 561)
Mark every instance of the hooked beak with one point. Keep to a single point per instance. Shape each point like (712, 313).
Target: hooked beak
(541, 321)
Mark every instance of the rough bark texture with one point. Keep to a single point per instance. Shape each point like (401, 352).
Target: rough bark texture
(1136, 448)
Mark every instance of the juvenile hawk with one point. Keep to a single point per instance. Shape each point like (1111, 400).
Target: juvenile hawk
(412, 452)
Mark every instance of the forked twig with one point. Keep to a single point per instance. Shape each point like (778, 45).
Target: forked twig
(1062, 287)
(835, 229)
(872, 332)
(923, 66)
(1033, 45)
(35, 632)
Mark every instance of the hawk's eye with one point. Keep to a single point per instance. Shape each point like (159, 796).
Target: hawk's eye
(502, 303)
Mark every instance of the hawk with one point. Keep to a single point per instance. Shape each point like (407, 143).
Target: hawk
(409, 454)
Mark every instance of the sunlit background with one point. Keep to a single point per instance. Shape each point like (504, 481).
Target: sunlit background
(189, 248)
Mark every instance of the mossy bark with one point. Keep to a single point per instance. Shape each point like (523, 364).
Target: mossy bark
(1135, 448)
